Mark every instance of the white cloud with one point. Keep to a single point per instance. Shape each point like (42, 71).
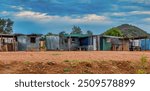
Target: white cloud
(93, 17)
(4, 13)
(132, 7)
(119, 14)
(17, 7)
(32, 15)
(140, 12)
(44, 17)
(122, 14)
(137, 1)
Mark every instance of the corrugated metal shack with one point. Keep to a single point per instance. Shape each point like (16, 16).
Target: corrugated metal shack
(29, 42)
(8, 42)
(136, 43)
(73, 42)
(113, 43)
(52, 43)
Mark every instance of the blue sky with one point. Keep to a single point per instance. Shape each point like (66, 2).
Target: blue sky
(42, 16)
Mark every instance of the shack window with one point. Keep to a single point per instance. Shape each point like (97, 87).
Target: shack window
(32, 40)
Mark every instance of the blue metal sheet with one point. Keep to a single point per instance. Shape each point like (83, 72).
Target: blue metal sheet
(145, 44)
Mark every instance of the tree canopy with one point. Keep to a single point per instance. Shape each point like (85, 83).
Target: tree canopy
(76, 30)
(61, 34)
(114, 32)
(49, 34)
(89, 32)
(6, 26)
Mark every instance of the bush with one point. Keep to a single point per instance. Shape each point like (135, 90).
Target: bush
(67, 69)
(141, 71)
(143, 65)
(143, 62)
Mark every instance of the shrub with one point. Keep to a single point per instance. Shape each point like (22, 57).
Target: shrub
(67, 69)
(66, 60)
(143, 61)
(143, 65)
(26, 62)
(141, 71)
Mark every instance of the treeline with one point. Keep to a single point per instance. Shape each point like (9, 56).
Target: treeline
(6, 27)
(75, 30)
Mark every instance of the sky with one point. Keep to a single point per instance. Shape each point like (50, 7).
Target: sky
(43, 16)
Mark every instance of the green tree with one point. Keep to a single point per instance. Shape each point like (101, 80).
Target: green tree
(61, 34)
(89, 32)
(6, 26)
(49, 33)
(114, 32)
(76, 30)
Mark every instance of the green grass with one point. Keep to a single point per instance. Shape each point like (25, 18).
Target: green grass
(26, 62)
(56, 54)
(67, 69)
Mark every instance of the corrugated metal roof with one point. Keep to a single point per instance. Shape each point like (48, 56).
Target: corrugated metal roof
(77, 35)
(112, 36)
(7, 35)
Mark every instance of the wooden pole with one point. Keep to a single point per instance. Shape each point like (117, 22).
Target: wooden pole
(7, 45)
(2, 42)
(69, 43)
(13, 43)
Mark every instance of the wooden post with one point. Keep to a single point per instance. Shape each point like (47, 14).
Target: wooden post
(69, 43)
(13, 43)
(7, 49)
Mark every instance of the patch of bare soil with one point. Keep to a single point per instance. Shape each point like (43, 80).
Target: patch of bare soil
(73, 62)
(95, 67)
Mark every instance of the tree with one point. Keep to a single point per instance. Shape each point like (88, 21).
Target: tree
(76, 30)
(89, 32)
(6, 26)
(114, 32)
(61, 34)
(49, 33)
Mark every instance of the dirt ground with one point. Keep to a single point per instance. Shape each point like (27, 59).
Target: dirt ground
(74, 62)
